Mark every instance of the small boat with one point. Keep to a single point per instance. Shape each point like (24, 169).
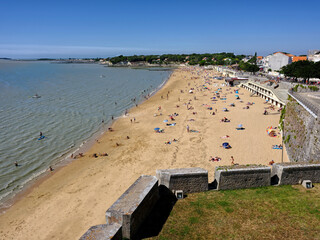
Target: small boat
(36, 96)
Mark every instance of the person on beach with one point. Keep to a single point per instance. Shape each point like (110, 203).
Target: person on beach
(188, 129)
(232, 160)
(51, 169)
(40, 134)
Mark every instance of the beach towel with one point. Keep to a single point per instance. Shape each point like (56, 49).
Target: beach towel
(276, 147)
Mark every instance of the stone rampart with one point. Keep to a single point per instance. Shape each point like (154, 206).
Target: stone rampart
(131, 209)
(291, 174)
(127, 214)
(189, 180)
(103, 232)
(242, 177)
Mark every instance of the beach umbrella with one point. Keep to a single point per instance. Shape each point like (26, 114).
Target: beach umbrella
(157, 129)
(165, 120)
(225, 144)
(240, 126)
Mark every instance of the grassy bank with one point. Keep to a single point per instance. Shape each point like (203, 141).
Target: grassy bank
(283, 212)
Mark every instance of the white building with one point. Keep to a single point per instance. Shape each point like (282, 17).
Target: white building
(277, 60)
(314, 55)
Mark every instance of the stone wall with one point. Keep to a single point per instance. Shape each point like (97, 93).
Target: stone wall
(131, 209)
(103, 232)
(187, 179)
(301, 134)
(127, 214)
(291, 174)
(242, 177)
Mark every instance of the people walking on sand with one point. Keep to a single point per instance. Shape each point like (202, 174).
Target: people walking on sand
(188, 129)
(232, 160)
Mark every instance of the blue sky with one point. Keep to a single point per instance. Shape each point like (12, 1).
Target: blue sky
(32, 29)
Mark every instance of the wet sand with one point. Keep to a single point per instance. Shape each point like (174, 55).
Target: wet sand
(76, 197)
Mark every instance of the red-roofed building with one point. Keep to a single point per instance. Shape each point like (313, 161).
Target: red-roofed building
(279, 59)
(301, 58)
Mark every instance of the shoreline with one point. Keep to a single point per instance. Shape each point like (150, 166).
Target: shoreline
(65, 159)
(76, 196)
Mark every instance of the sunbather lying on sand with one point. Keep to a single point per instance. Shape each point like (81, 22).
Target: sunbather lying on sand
(226, 136)
(214, 159)
(225, 119)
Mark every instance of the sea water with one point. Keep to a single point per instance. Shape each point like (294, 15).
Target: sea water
(76, 101)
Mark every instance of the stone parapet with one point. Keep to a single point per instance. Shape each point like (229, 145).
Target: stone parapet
(188, 180)
(242, 177)
(103, 232)
(291, 174)
(131, 209)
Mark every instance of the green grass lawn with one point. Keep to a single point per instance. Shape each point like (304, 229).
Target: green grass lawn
(282, 212)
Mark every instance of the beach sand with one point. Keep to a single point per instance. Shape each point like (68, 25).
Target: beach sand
(76, 197)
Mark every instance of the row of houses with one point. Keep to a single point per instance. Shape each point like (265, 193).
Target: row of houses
(277, 60)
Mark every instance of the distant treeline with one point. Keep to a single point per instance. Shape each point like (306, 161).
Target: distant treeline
(302, 69)
(191, 59)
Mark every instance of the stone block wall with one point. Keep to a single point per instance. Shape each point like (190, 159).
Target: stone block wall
(301, 134)
(127, 214)
(103, 232)
(189, 180)
(291, 174)
(242, 177)
(131, 209)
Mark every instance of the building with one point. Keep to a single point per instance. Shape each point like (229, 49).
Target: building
(300, 58)
(314, 55)
(279, 59)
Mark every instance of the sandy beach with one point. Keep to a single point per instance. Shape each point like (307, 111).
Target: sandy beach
(76, 197)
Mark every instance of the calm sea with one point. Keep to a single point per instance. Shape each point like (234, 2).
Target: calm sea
(75, 98)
